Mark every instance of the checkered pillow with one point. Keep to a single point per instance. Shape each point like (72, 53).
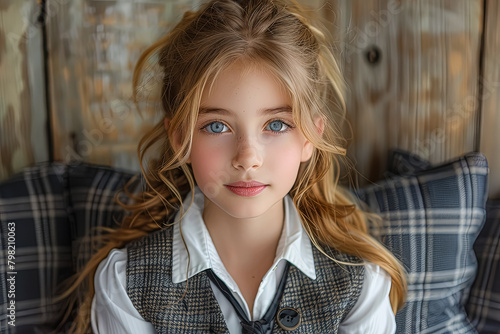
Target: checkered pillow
(484, 300)
(91, 191)
(430, 221)
(33, 216)
(53, 207)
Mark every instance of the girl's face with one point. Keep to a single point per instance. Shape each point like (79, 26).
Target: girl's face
(246, 150)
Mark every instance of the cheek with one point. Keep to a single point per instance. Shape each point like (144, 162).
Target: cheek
(207, 161)
(286, 158)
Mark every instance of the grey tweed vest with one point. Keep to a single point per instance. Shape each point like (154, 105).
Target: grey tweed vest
(322, 303)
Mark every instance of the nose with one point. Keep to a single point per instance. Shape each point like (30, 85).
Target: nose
(248, 155)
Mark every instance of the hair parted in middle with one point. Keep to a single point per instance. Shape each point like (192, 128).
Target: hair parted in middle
(279, 37)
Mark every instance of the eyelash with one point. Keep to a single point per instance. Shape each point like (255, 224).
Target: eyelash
(203, 128)
(289, 127)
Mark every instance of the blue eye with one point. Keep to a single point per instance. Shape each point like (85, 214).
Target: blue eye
(277, 126)
(216, 127)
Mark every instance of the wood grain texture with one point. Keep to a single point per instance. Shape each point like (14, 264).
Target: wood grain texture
(23, 138)
(490, 98)
(412, 71)
(93, 54)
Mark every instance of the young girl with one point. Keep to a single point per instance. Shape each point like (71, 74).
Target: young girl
(242, 227)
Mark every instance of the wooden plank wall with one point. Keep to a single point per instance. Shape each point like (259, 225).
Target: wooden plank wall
(490, 98)
(23, 135)
(93, 52)
(413, 70)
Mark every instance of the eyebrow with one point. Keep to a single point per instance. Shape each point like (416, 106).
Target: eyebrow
(266, 111)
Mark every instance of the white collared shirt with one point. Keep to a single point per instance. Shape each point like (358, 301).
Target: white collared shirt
(113, 312)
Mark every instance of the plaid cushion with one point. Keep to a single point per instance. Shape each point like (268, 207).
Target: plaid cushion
(91, 193)
(33, 210)
(484, 301)
(430, 221)
(54, 207)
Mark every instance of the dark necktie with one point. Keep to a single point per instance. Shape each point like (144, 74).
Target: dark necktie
(262, 326)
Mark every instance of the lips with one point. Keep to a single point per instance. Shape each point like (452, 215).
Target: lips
(246, 189)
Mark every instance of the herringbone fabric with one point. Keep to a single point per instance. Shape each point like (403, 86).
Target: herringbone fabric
(322, 303)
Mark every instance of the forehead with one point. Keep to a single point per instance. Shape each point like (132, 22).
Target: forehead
(245, 86)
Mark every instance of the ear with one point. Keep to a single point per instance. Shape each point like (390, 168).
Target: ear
(320, 125)
(308, 149)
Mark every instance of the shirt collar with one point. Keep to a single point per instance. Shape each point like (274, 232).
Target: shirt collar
(294, 244)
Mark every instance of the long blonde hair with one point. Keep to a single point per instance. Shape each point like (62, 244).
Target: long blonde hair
(280, 35)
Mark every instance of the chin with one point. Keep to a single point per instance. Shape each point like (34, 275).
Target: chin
(246, 207)
(244, 212)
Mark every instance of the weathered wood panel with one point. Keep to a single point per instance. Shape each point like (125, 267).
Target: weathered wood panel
(23, 136)
(94, 46)
(490, 98)
(412, 69)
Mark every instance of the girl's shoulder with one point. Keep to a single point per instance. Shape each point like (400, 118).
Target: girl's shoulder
(164, 233)
(338, 260)
(117, 257)
(372, 312)
(158, 236)
(112, 264)
(367, 273)
(112, 310)
(150, 253)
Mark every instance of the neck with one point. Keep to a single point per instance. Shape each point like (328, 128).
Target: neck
(245, 239)
(246, 246)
